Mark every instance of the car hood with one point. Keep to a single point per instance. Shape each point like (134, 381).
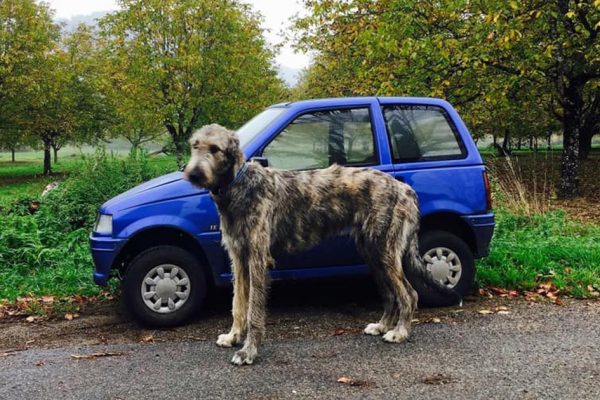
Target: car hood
(166, 187)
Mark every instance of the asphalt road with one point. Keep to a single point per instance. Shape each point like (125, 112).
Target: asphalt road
(528, 351)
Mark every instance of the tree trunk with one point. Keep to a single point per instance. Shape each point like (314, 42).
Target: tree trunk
(495, 140)
(177, 142)
(585, 145)
(572, 121)
(12, 151)
(47, 159)
(55, 154)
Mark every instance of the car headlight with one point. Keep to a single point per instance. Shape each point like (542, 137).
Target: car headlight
(103, 224)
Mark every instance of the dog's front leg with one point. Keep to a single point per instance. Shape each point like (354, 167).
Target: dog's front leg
(255, 319)
(239, 308)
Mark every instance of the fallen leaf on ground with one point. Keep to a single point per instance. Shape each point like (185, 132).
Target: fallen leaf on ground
(436, 320)
(48, 299)
(148, 338)
(503, 312)
(353, 382)
(501, 308)
(95, 355)
(437, 379)
(10, 352)
(30, 319)
(485, 312)
(339, 331)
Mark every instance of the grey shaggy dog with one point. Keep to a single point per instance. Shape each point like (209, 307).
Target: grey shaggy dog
(266, 212)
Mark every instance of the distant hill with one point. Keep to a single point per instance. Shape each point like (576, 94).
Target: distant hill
(289, 75)
(89, 19)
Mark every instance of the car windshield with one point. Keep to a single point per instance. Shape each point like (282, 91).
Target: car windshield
(256, 125)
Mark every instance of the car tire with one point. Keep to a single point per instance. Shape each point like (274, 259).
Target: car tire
(436, 247)
(164, 286)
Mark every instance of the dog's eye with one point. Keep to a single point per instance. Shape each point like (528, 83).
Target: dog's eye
(213, 149)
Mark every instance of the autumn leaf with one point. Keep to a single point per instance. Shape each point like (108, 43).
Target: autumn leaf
(96, 355)
(353, 382)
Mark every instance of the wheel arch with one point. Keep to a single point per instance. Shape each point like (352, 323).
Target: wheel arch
(452, 223)
(161, 236)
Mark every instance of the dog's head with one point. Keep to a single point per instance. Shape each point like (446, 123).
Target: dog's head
(216, 157)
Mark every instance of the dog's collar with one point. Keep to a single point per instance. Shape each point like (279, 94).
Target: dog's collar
(237, 177)
(240, 173)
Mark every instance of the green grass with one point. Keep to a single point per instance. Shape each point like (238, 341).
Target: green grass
(527, 251)
(25, 178)
(47, 253)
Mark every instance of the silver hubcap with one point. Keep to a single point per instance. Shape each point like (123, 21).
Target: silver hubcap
(165, 288)
(444, 265)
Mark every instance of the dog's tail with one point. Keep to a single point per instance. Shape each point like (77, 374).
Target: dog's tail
(423, 281)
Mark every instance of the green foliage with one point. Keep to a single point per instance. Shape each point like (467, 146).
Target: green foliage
(191, 61)
(528, 250)
(47, 253)
(516, 68)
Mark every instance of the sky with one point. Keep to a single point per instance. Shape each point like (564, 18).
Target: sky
(276, 15)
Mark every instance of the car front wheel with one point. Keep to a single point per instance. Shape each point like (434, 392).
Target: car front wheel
(450, 261)
(164, 286)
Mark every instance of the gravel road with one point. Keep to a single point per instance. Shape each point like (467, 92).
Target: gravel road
(527, 351)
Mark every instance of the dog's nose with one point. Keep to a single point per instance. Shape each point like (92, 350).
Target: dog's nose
(193, 175)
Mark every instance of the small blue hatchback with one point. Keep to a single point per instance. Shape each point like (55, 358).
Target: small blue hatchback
(169, 230)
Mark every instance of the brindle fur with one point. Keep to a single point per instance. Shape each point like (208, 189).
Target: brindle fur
(266, 212)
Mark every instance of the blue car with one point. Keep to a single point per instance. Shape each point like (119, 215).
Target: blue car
(163, 236)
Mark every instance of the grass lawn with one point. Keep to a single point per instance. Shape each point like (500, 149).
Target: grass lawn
(24, 177)
(534, 243)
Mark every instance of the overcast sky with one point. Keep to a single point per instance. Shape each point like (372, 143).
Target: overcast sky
(276, 15)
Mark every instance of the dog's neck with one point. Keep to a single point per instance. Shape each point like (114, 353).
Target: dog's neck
(235, 173)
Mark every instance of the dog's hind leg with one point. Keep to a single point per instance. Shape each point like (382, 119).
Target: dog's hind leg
(406, 300)
(373, 257)
(258, 263)
(239, 308)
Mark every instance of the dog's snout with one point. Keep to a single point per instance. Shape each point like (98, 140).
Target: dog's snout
(193, 175)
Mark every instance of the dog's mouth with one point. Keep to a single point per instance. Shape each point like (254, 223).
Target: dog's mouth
(195, 177)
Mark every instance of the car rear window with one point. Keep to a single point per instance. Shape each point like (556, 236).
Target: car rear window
(421, 133)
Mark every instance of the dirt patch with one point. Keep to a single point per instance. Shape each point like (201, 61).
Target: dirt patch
(288, 318)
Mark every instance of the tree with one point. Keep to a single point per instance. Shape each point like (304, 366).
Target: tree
(26, 35)
(479, 55)
(66, 104)
(202, 61)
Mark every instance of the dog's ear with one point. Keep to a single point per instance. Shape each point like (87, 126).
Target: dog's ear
(233, 146)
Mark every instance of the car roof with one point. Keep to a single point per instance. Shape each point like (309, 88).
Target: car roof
(337, 101)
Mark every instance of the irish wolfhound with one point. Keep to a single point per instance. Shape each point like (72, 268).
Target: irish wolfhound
(266, 212)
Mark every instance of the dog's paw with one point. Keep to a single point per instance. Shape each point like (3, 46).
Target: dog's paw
(374, 329)
(242, 357)
(227, 340)
(397, 335)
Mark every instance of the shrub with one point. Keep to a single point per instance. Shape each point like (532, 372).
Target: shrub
(48, 252)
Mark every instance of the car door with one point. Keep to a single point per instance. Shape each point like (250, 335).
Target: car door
(429, 154)
(316, 139)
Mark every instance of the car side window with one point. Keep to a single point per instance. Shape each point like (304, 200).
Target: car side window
(321, 138)
(421, 133)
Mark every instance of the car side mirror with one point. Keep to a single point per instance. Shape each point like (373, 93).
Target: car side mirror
(261, 160)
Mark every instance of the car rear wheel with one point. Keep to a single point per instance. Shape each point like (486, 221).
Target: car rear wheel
(164, 286)
(450, 261)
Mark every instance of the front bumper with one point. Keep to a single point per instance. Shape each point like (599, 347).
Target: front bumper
(483, 230)
(104, 251)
